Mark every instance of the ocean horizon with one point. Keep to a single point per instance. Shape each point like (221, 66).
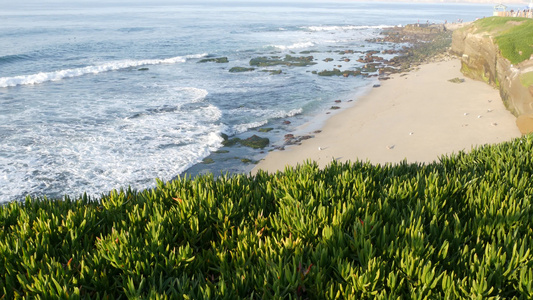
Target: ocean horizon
(96, 96)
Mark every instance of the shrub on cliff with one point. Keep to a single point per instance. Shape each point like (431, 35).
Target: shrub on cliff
(455, 229)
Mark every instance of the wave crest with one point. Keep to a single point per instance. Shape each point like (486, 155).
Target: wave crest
(69, 73)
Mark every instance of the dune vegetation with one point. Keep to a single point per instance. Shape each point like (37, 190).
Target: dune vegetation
(460, 227)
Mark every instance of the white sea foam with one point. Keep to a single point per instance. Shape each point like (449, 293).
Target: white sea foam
(197, 95)
(240, 128)
(295, 46)
(343, 28)
(69, 73)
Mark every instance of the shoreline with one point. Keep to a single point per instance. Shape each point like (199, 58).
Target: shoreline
(416, 116)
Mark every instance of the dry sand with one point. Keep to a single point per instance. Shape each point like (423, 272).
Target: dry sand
(417, 116)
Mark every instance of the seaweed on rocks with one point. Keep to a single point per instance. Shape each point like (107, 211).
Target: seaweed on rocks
(289, 60)
(240, 69)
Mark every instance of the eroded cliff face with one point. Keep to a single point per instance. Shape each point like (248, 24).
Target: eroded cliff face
(482, 60)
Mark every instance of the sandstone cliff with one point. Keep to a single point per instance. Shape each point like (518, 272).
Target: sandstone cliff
(482, 59)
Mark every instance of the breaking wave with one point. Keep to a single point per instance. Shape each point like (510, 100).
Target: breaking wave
(69, 73)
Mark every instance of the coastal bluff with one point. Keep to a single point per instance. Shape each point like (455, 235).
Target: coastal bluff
(498, 51)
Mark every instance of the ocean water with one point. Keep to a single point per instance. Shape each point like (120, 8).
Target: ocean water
(99, 95)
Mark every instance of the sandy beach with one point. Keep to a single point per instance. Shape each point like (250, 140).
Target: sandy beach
(416, 116)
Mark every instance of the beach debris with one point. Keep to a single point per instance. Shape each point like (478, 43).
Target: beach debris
(494, 124)
(457, 80)
(411, 133)
(479, 117)
(466, 114)
(390, 147)
(489, 110)
(464, 125)
(490, 101)
(320, 148)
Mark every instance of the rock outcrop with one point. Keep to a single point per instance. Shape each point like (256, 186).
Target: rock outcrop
(481, 59)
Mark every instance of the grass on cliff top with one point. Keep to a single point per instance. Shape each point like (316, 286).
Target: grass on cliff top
(514, 36)
(461, 228)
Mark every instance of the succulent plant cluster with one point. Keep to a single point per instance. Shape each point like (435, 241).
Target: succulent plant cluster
(457, 228)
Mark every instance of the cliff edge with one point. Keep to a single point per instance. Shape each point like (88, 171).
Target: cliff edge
(498, 51)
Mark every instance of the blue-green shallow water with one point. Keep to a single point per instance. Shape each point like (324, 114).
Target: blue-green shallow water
(101, 95)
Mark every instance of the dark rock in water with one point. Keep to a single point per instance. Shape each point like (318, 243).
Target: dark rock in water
(376, 85)
(328, 59)
(255, 142)
(335, 107)
(273, 72)
(220, 60)
(289, 136)
(291, 61)
(384, 78)
(265, 129)
(337, 72)
(309, 51)
(143, 69)
(286, 122)
(221, 151)
(240, 69)
(231, 142)
(338, 101)
(246, 160)
(207, 161)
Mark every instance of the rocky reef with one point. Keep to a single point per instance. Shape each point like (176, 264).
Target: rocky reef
(483, 57)
(288, 60)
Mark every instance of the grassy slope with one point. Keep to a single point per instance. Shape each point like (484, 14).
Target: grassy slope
(514, 36)
(458, 228)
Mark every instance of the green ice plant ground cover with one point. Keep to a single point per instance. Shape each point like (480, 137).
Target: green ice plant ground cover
(454, 229)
